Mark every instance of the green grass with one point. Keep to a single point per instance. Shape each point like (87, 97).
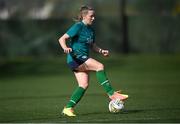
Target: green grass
(37, 90)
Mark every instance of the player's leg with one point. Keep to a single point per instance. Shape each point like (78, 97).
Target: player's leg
(94, 65)
(82, 79)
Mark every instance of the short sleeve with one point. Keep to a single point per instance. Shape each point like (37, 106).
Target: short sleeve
(74, 29)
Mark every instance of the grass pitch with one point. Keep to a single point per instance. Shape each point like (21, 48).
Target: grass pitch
(36, 90)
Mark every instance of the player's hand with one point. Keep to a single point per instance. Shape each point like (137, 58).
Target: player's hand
(67, 50)
(105, 53)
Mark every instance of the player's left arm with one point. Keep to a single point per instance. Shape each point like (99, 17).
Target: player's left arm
(100, 50)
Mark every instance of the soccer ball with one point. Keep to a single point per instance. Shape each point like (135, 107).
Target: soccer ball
(116, 105)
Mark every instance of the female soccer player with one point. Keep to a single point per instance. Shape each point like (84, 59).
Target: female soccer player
(81, 38)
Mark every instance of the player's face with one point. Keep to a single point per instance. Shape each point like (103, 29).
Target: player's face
(90, 17)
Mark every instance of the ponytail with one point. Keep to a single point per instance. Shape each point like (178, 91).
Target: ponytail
(82, 11)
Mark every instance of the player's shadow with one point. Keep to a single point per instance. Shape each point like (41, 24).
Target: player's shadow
(122, 112)
(131, 111)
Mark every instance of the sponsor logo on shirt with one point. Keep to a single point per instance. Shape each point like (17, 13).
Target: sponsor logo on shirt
(89, 40)
(84, 57)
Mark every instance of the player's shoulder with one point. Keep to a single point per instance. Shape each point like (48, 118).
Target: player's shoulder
(78, 24)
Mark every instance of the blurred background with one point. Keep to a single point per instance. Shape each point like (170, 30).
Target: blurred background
(32, 28)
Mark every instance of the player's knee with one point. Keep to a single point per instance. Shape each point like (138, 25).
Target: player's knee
(100, 67)
(84, 85)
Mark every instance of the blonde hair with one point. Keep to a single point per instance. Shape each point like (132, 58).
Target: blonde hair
(82, 12)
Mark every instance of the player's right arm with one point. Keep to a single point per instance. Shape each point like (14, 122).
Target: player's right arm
(62, 42)
(73, 31)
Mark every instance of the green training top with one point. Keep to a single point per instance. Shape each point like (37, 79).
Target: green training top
(82, 36)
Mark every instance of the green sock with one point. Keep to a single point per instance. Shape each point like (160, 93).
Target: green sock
(76, 97)
(103, 80)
